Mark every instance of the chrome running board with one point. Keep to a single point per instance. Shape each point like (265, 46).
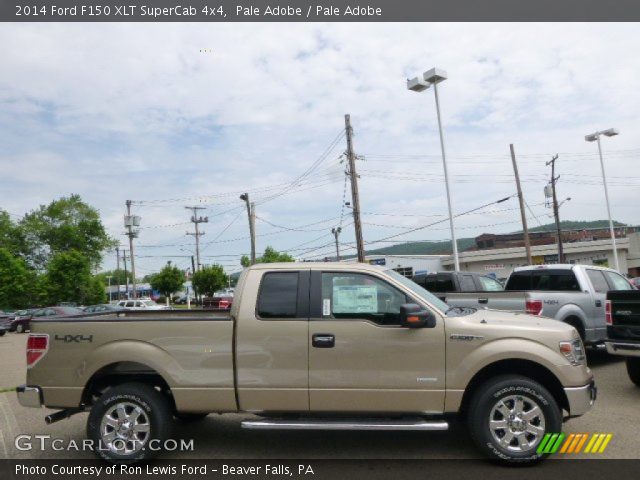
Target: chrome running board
(345, 424)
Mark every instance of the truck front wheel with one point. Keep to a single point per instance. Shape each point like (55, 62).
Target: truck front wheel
(508, 417)
(633, 369)
(129, 423)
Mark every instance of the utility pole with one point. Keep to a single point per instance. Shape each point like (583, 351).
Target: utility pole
(193, 270)
(525, 228)
(131, 221)
(118, 268)
(251, 213)
(126, 275)
(336, 233)
(556, 208)
(197, 220)
(355, 197)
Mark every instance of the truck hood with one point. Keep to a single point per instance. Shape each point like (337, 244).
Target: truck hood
(499, 324)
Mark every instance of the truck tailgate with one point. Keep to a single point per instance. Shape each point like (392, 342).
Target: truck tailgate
(625, 315)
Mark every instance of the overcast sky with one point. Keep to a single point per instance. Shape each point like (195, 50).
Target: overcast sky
(171, 115)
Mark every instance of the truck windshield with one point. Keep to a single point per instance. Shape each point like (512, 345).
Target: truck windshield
(419, 291)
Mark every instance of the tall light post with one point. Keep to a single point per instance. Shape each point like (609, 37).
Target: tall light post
(595, 137)
(420, 84)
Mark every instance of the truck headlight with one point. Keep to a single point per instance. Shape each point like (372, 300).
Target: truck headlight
(573, 351)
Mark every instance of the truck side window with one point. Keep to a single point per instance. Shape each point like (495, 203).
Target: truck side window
(361, 297)
(490, 285)
(278, 295)
(618, 282)
(467, 284)
(598, 281)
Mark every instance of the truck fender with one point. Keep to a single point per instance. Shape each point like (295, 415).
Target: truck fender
(572, 310)
(504, 349)
(130, 351)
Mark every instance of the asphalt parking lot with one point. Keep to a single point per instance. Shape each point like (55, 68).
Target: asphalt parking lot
(220, 436)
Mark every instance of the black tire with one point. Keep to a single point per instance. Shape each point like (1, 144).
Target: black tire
(154, 408)
(190, 417)
(2, 332)
(633, 369)
(484, 406)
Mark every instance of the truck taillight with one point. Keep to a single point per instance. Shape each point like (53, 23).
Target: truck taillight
(608, 318)
(37, 346)
(533, 307)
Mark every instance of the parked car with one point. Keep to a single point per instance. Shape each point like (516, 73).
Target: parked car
(182, 300)
(443, 283)
(223, 302)
(5, 323)
(104, 307)
(20, 321)
(145, 304)
(623, 329)
(574, 294)
(332, 346)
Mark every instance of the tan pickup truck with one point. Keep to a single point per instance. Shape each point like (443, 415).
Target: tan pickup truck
(313, 346)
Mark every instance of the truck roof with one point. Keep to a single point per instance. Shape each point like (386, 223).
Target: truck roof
(317, 266)
(558, 266)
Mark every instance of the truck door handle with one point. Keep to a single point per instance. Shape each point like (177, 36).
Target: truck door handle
(323, 340)
(483, 300)
(598, 303)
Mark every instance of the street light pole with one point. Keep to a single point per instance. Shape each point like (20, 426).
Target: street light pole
(109, 280)
(596, 137)
(434, 77)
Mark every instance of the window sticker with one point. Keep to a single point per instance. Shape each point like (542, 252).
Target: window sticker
(355, 299)
(326, 307)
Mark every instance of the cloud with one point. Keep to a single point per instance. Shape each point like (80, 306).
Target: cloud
(204, 111)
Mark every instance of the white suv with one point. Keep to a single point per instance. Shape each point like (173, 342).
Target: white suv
(141, 305)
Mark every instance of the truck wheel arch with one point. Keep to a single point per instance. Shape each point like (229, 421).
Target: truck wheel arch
(577, 323)
(121, 372)
(522, 367)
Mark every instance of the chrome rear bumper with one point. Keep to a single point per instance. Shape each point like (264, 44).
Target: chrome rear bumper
(627, 349)
(29, 396)
(581, 399)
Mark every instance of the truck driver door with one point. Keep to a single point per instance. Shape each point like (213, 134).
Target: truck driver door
(361, 359)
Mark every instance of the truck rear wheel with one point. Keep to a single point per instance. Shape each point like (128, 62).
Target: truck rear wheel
(633, 369)
(508, 417)
(125, 419)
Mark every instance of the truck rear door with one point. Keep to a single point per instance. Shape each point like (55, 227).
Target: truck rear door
(272, 351)
(360, 358)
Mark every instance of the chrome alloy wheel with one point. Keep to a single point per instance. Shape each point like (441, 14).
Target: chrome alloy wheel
(124, 428)
(517, 423)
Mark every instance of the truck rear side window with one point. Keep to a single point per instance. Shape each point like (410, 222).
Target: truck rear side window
(278, 296)
(439, 283)
(598, 281)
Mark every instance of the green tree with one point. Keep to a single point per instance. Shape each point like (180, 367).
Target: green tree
(11, 236)
(14, 281)
(68, 279)
(67, 224)
(209, 279)
(270, 255)
(168, 280)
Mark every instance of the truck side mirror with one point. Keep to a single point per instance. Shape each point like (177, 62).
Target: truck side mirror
(414, 316)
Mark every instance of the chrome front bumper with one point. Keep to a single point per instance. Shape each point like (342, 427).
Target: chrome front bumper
(29, 396)
(581, 399)
(627, 349)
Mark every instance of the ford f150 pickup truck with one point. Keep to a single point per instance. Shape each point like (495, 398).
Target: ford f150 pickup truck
(313, 346)
(573, 294)
(623, 329)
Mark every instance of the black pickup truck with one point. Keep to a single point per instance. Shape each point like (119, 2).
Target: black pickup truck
(622, 313)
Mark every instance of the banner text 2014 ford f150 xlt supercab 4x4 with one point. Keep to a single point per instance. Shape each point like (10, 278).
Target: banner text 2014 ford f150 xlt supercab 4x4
(314, 346)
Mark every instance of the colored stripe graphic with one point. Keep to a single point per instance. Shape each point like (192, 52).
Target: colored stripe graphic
(550, 443)
(573, 443)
